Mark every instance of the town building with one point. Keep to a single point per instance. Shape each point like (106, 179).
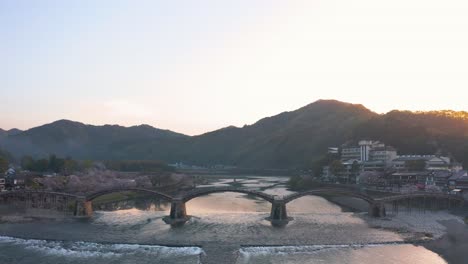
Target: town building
(368, 155)
(385, 154)
(351, 170)
(368, 150)
(350, 153)
(459, 180)
(426, 162)
(441, 178)
(333, 150)
(327, 176)
(2, 184)
(13, 180)
(375, 156)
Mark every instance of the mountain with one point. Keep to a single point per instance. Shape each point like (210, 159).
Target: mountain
(68, 138)
(6, 133)
(13, 131)
(292, 139)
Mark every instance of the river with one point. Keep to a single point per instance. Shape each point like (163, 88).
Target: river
(224, 228)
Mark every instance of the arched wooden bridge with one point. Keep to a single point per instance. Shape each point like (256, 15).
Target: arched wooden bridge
(178, 215)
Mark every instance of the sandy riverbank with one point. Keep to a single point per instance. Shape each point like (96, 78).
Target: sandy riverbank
(441, 232)
(412, 226)
(416, 227)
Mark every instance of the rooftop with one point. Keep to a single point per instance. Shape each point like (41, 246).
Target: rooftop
(460, 176)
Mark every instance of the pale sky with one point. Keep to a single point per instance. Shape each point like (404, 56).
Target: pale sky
(199, 65)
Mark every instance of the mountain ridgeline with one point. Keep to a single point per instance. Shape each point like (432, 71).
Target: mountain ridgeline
(289, 140)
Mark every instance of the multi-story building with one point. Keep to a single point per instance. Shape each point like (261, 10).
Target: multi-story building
(386, 154)
(375, 156)
(360, 152)
(459, 180)
(438, 163)
(371, 155)
(427, 162)
(351, 153)
(368, 150)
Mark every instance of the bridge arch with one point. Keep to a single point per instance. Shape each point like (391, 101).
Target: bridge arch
(158, 194)
(206, 191)
(342, 192)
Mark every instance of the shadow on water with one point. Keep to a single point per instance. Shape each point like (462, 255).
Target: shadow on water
(453, 246)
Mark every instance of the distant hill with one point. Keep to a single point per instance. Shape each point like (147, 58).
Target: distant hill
(289, 140)
(11, 132)
(68, 138)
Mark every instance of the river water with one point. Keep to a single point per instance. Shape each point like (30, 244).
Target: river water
(224, 228)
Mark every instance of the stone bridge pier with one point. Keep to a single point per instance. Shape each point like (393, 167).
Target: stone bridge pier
(178, 215)
(83, 208)
(377, 210)
(279, 214)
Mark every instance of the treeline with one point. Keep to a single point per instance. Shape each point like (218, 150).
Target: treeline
(138, 166)
(5, 159)
(54, 164)
(68, 165)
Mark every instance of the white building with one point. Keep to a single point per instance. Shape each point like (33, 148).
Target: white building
(370, 151)
(350, 153)
(333, 150)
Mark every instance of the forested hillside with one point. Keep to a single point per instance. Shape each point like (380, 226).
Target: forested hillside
(292, 139)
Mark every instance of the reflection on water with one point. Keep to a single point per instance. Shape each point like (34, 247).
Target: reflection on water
(228, 202)
(144, 204)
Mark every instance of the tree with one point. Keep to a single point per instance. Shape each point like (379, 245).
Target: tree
(3, 165)
(86, 164)
(55, 164)
(325, 160)
(41, 165)
(336, 167)
(27, 163)
(415, 165)
(69, 166)
(6, 155)
(355, 169)
(295, 182)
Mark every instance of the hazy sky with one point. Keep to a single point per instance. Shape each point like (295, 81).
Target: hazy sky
(195, 66)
